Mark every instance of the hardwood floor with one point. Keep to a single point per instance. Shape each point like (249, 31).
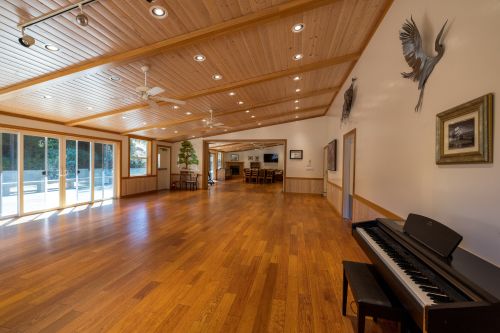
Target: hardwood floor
(238, 257)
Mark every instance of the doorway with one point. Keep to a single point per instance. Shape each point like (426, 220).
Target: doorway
(163, 168)
(77, 172)
(348, 173)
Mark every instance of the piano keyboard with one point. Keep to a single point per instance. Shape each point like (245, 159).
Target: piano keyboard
(420, 285)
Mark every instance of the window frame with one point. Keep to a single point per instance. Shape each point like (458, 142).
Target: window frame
(148, 158)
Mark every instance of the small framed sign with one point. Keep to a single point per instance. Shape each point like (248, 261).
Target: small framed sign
(295, 154)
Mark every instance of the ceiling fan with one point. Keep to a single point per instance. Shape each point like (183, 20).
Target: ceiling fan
(149, 94)
(212, 123)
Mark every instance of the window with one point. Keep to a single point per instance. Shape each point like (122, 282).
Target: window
(219, 160)
(139, 157)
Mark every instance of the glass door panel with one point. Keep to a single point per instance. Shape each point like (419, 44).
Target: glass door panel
(103, 171)
(8, 175)
(77, 172)
(83, 172)
(40, 173)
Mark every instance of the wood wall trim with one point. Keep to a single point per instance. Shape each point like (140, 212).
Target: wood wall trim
(377, 208)
(138, 194)
(332, 183)
(137, 177)
(105, 62)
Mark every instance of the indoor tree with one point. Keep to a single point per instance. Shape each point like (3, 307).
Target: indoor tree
(187, 154)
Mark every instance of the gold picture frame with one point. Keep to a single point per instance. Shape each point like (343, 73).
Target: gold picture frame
(464, 134)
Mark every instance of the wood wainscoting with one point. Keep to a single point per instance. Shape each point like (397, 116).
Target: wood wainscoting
(334, 196)
(140, 184)
(364, 210)
(304, 185)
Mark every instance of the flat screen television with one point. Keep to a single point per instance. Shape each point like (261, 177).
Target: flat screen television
(270, 158)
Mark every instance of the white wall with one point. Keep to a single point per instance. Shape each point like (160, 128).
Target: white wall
(395, 152)
(309, 135)
(243, 157)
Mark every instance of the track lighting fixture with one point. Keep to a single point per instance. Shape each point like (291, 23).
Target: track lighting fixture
(26, 40)
(81, 18)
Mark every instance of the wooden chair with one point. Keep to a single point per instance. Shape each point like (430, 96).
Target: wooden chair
(269, 176)
(254, 174)
(262, 175)
(278, 175)
(192, 184)
(247, 173)
(175, 183)
(183, 178)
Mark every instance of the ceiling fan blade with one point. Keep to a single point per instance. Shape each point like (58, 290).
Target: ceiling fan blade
(155, 91)
(170, 100)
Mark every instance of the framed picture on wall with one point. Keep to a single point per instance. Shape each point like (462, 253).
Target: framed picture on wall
(295, 154)
(235, 157)
(332, 155)
(464, 133)
(250, 158)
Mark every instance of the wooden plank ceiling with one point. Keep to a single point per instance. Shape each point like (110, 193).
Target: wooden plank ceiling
(248, 42)
(227, 147)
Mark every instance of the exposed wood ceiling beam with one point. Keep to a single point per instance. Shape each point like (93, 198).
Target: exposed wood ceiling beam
(104, 62)
(256, 120)
(230, 86)
(220, 114)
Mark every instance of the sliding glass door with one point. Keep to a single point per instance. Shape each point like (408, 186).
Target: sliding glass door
(103, 171)
(78, 185)
(9, 175)
(40, 173)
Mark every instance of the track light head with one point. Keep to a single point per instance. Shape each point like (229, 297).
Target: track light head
(26, 40)
(81, 18)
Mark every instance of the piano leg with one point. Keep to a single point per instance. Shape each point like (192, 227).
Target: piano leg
(344, 294)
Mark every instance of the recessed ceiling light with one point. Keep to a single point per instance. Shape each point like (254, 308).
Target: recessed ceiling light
(298, 56)
(297, 107)
(204, 120)
(176, 107)
(158, 12)
(176, 132)
(89, 108)
(192, 136)
(199, 58)
(188, 113)
(225, 130)
(296, 78)
(296, 117)
(46, 97)
(253, 116)
(216, 77)
(123, 117)
(232, 93)
(259, 124)
(51, 48)
(114, 78)
(298, 27)
(296, 101)
(240, 102)
(247, 111)
(144, 123)
(163, 128)
(297, 90)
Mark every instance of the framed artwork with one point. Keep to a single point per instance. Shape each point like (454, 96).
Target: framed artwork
(235, 157)
(332, 155)
(295, 154)
(250, 158)
(256, 158)
(464, 134)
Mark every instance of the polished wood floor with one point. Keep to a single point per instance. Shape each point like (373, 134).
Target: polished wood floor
(235, 258)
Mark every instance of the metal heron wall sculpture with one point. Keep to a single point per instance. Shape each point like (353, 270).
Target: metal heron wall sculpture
(348, 99)
(421, 64)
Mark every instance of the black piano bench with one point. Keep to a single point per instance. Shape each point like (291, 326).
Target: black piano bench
(369, 295)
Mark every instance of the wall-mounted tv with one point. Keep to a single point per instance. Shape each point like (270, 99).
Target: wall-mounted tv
(332, 156)
(270, 158)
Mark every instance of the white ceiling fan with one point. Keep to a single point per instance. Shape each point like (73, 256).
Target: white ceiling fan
(212, 123)
(149, 94)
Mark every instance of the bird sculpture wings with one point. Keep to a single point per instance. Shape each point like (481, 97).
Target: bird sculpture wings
(348, 99)
(421, 64)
